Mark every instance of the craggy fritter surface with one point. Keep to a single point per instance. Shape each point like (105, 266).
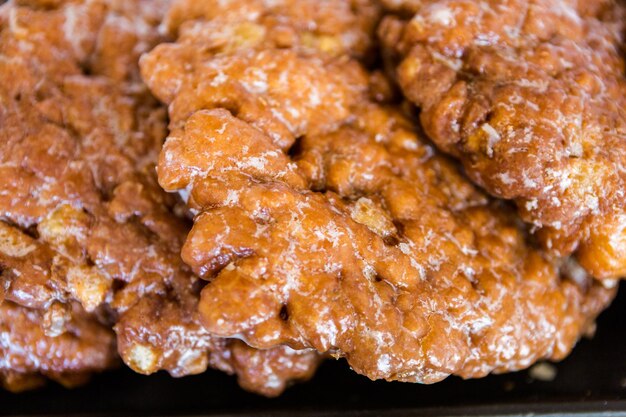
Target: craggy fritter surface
(87, 239)
(27, 346)
(334, 27)
(530, 95)
(253, 34)
(324, 220)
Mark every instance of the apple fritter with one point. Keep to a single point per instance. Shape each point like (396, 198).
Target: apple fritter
(88, 241)
(530, 96)
(323, 220)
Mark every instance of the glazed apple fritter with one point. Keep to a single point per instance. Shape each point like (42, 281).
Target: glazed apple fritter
(88, 241)
(325, 221)
(530, 96)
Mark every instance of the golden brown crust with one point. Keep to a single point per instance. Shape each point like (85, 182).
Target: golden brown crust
(241, 41)
(86, 234)
(335, 27)
(27, 348)
(270, 372)
(50, 196)
(173, 339)
(356, 239)
(529, 95)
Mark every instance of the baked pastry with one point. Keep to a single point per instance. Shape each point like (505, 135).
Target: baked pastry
(88, 241)
(529, 96)
(324, 221)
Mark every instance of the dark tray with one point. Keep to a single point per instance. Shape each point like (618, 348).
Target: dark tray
(592, 381)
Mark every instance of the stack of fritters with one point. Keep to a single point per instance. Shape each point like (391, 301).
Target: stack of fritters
(308, 214)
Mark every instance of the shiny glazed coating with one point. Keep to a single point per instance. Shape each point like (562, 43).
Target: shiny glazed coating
(530, 96)
(357, 239)
(335, 27)
(57, 339)
(26, 346)
(175, 340)
(45, 103)
(87, 239)
(243, 47)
